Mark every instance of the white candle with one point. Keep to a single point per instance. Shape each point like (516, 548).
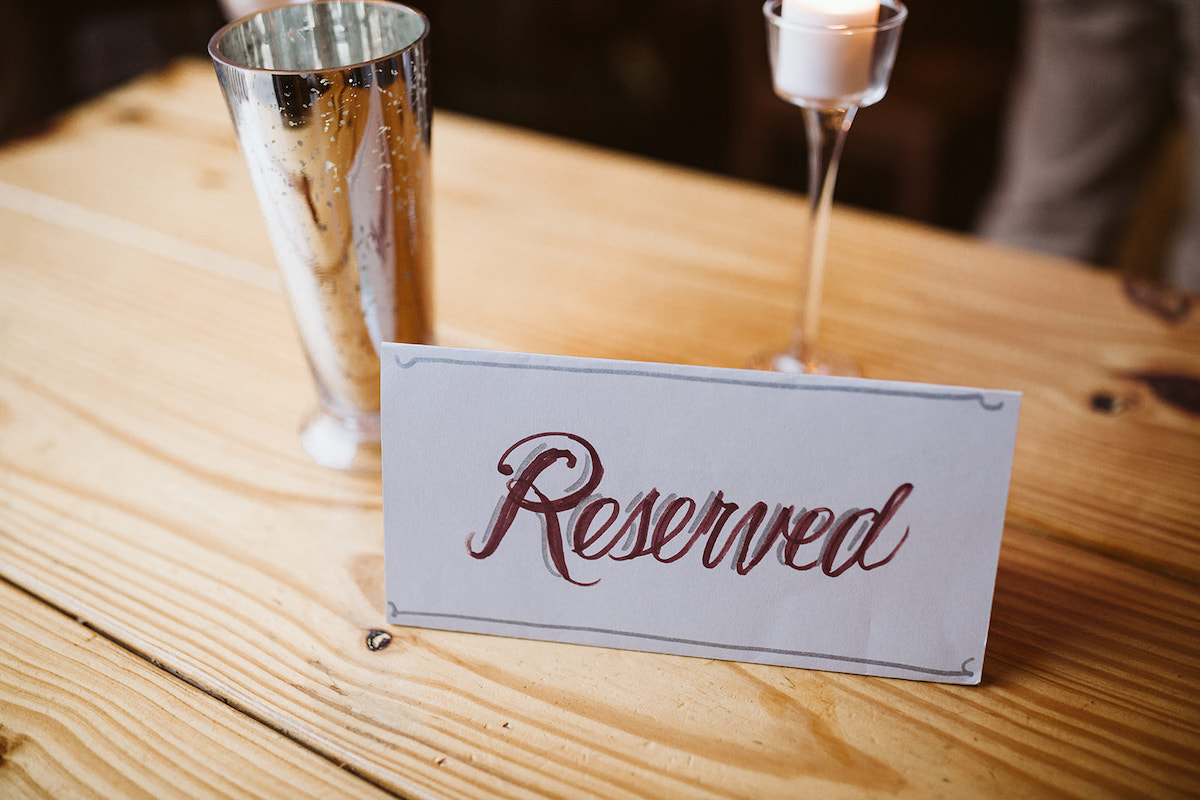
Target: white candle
(816, 64)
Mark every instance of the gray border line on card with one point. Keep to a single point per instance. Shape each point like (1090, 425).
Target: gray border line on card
(962, 672)
(650, 373)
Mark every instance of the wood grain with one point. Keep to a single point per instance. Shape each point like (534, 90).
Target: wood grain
(81, 717)
(151, 483)
(658, 264)
(548, 246)
(1089, 685)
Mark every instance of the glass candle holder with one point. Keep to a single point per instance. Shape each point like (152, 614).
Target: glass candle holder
(830, 58)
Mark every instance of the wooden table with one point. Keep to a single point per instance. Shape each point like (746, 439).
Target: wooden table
(188, 602)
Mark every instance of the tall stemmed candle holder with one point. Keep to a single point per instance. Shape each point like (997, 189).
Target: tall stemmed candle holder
(830, 58)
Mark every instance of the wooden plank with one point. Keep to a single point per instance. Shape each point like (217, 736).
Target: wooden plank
(82, 717)
(657, 264)
(150, 484)
(549, 246)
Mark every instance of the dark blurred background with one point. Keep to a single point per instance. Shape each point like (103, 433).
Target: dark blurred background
(681, 80)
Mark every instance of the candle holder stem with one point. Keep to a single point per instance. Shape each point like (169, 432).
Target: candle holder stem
(826, 130)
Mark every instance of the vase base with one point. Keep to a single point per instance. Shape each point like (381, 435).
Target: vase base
(349, 445)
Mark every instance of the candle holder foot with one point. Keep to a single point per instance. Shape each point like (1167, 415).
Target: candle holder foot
(820, 364)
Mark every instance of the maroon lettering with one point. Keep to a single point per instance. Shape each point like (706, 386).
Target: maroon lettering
(641, 512)
(747, 526)
(803, 534)
(579, 536)
(715, 516)
(883, 518)
(833, 546)
(777, 528)
(518, 498)
(664, 533)
(815, 537)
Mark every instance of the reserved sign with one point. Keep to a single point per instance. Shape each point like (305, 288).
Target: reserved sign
(827, 523)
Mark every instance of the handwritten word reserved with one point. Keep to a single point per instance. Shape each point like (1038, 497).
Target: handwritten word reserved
(666, 529)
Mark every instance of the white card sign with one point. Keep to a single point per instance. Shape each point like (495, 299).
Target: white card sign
(839, 524)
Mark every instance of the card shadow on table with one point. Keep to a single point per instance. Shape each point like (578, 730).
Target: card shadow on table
(1058, 608)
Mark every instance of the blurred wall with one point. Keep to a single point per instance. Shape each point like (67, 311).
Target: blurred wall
(681, 80)
(56, 55)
